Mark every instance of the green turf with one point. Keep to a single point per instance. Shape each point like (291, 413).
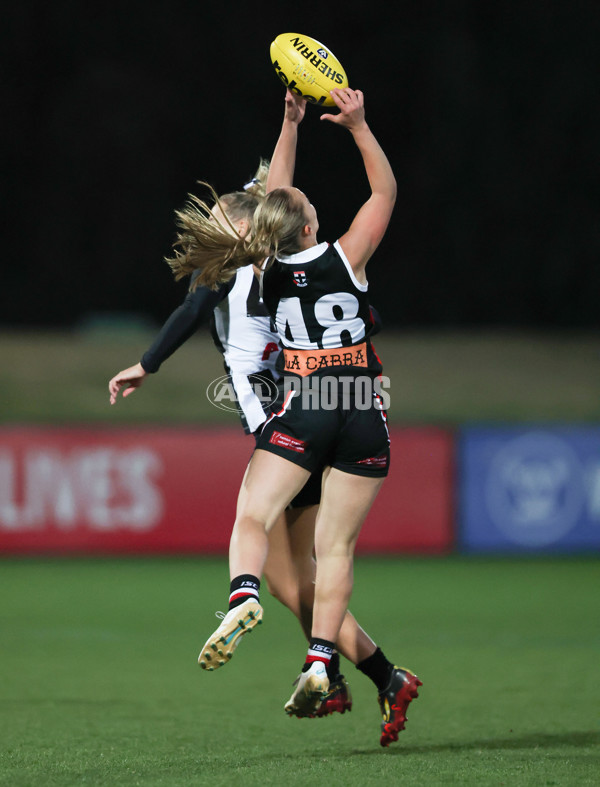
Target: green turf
(100, 684)
(435, 377)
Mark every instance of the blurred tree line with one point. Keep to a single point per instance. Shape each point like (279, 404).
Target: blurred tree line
(489, 114)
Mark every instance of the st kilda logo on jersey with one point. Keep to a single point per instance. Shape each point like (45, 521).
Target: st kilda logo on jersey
(300, 278)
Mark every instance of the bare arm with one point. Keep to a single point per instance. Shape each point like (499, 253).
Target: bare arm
(371, 221)
(283, 161)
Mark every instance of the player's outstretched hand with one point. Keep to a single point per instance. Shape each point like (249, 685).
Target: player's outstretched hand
(295, 107)
(351, 104)
(130, 379)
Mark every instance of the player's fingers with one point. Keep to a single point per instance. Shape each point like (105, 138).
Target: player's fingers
(128, 391)
(354, 98)
(347, 93)
(294, 98)
(113, 386)
(338, 96)
(350, 100)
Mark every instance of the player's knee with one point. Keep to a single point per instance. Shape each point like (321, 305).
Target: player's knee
(249, 523)
(342, 549)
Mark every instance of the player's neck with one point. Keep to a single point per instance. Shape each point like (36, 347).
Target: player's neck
(308, 241)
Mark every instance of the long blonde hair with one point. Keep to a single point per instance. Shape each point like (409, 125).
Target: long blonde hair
(207, 244)
(277, 220)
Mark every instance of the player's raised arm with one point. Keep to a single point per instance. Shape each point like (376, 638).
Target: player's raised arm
(371, 221)
(283, 162)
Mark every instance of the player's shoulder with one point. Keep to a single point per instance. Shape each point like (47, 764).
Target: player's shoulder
(201, 297)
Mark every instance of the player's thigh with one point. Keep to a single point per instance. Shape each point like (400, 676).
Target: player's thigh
(269, 485)
(345, 503)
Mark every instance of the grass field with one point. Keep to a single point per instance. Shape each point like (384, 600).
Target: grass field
(101, 686)
(436, 377)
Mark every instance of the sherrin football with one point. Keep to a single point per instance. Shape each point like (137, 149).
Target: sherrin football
(307, 67)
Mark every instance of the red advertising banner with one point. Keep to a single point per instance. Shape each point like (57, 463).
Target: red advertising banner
(174, 490)
(414, 510)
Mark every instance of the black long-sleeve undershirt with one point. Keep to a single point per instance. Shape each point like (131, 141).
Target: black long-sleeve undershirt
(196, 309)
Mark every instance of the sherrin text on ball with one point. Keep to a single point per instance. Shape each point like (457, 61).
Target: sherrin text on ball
(307, 67)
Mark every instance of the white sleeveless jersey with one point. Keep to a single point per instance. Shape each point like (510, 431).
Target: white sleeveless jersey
(242, 331)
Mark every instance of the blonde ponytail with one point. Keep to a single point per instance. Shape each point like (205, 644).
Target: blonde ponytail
(257, 186)
(204, 243)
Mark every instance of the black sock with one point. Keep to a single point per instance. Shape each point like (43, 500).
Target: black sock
(242, 588)
(377, 668)
(333, 668)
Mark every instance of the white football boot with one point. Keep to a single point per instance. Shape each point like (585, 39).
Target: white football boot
(219, 647)
(311, 689)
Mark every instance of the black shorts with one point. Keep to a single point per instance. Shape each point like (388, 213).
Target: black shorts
(353, 440)
(310, 494)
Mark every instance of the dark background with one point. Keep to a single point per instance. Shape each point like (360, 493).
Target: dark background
(489, 113)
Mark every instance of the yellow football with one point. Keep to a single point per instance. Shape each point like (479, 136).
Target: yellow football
(307, 67)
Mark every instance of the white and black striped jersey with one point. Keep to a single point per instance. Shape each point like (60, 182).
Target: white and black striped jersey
(242, 326)
(242, 330)
(321, 312)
